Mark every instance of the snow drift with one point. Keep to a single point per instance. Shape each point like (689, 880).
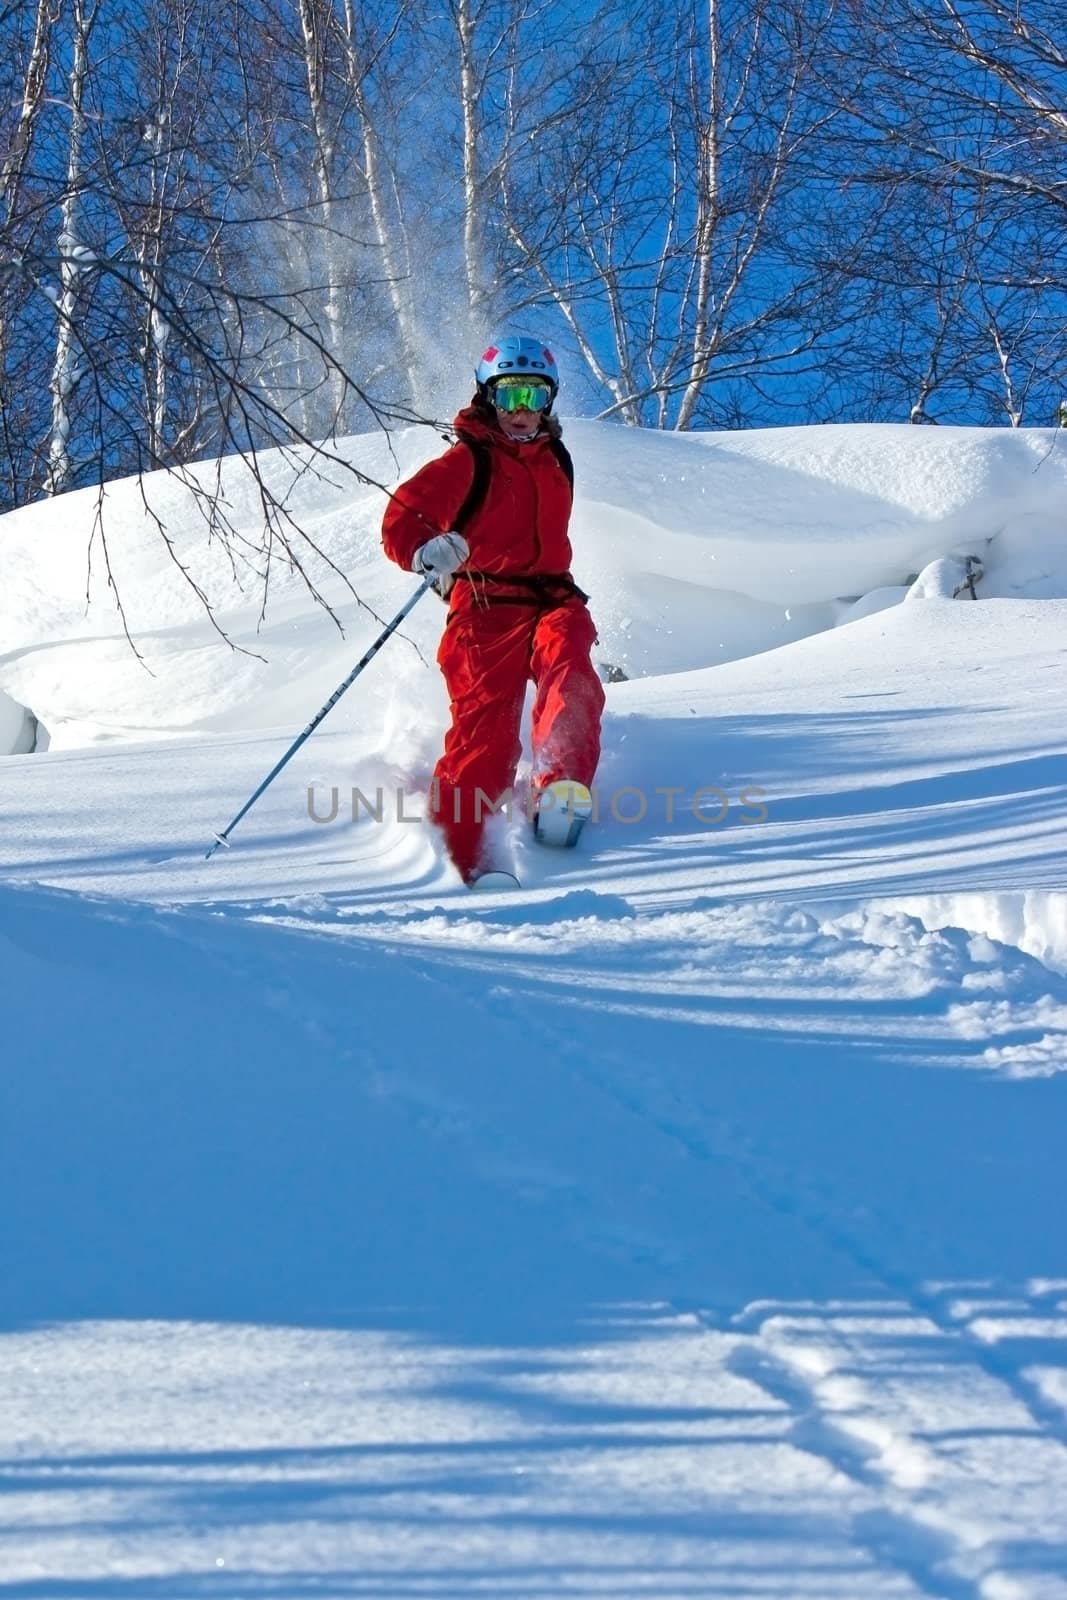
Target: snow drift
(697, 549)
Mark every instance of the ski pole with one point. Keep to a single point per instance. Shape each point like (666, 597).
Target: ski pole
(223, 837)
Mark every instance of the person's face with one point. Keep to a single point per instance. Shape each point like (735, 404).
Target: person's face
(521, 424)
(520, 405)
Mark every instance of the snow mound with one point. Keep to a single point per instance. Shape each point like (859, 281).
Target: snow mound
(697, 549)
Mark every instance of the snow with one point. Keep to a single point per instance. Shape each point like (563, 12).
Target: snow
(687, 1222)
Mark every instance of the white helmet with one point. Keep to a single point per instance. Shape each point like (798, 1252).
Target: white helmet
(516, 356)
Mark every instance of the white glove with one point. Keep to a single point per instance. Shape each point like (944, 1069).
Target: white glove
(441, 556)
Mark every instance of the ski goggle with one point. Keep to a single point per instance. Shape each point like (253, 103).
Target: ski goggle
(520, 394)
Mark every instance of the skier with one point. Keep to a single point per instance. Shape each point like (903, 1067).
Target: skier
(490, 519)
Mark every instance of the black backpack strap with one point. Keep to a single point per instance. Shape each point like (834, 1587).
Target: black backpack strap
(563, 456)
(483, 467)
(479, 483)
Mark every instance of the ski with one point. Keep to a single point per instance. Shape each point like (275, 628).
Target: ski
(493, 883)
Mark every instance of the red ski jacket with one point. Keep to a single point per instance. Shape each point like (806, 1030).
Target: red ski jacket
(520, 528)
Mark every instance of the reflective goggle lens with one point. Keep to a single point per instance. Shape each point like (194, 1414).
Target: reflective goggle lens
(520, 394)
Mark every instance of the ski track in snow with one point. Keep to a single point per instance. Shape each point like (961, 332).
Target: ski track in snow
(797, 1355)
(812, 1362)
(906, 1395)
(917, 1522)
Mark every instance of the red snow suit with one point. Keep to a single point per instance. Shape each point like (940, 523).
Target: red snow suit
(515, 614)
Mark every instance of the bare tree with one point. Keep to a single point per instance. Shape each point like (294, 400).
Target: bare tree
(315, 19)
(959, 109)
(75, 258)
(24, 63)
(28, 101)
(388, 213)
(668, 253)
(165, 331)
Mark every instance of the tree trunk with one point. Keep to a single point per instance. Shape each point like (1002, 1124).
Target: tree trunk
(333, 308)
(75, 261)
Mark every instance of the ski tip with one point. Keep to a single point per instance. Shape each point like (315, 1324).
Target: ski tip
(493, 883)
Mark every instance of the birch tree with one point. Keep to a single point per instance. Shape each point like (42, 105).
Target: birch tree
(959, 108)
(315, 19)
(367, 61)
(29, 99)
(675, 204)
(24, 63)
(75, 258)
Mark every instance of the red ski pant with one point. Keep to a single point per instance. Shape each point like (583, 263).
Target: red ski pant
(487, 657)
